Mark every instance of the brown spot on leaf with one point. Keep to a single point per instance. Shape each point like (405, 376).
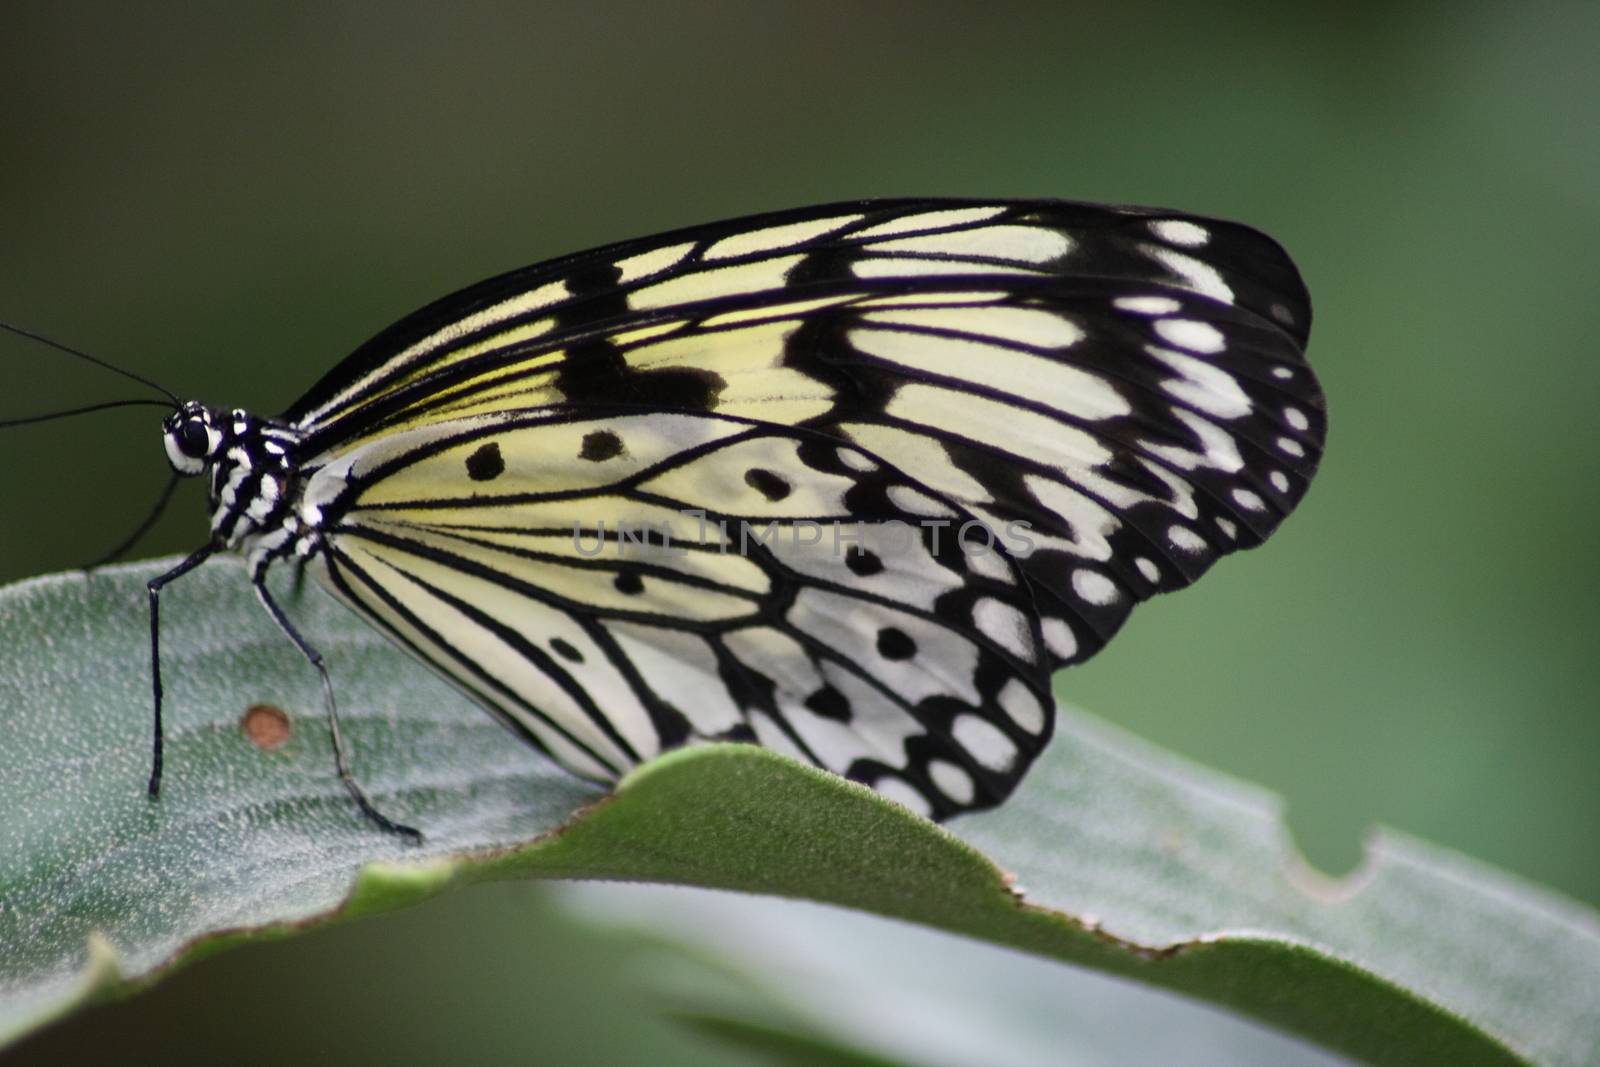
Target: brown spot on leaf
(265, 726)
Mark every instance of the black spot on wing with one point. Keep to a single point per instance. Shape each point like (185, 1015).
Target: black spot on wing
(682, 387)
(862, 563)
(628, 583)
(486, 463)
(594, 372)
(566, 649)
(594, 278)
(768, 484)
(820, 347)
(599, 445)
(829, 703)
(596, 295)
(894, 643)
(740, 732)
(824, 264)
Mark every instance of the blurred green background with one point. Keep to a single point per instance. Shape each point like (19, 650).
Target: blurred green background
(229, 197)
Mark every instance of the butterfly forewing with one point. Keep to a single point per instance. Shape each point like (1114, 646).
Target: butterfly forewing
(894, 245)
(951, 445)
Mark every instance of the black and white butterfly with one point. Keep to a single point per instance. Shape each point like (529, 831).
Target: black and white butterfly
(848, 481)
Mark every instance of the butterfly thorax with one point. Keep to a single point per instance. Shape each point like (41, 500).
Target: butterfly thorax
(255, 484)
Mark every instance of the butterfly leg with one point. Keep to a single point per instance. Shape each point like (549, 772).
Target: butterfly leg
(153, 588)
(340, 755)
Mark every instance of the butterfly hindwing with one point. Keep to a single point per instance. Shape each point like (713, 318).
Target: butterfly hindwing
(712, 579)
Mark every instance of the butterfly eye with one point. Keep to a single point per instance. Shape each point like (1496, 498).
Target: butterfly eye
(193, 439)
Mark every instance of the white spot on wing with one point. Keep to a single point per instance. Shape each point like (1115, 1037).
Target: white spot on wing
(1094, 587)
(930, 220)
(628, 338)
(758, 276)
(991, 565)
(1195, 336)
(1291, 446)
(1147, 305)
(856, 461)
(1186, 539)
(914, 501)
(1248, 500)
(1180, 232)
(889, 267)
(1005, 626)
(653, 262)
(1026, 244)
(903, 793)
(1060, 638)
(984, 741)
(1018, 701)
(1203, 385)
(1296, 418)
(1279, 480)
(1203, 277)
(773, 238)
(952, 781)
(1022, 325)
(1151, 572)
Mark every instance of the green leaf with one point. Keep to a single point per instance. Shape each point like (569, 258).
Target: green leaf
(1133, 861)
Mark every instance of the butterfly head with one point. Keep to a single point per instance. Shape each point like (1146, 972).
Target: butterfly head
(193, 438)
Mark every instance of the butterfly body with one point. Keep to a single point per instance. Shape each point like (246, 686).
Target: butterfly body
(849, 481)
(254, 481)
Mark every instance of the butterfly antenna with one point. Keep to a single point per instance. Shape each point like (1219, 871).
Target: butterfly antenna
(69, 350)
(69, 412)
(138, 531)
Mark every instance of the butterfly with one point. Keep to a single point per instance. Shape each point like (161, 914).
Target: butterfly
(847, 481)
